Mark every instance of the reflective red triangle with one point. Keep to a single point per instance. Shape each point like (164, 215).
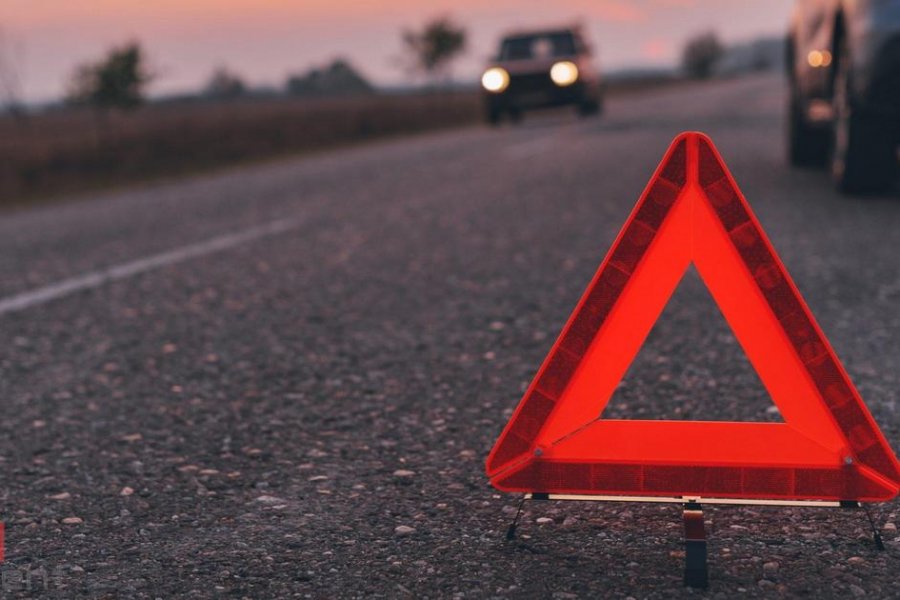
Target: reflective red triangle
(828, 448)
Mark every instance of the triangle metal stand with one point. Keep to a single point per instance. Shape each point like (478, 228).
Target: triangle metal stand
(696, 568)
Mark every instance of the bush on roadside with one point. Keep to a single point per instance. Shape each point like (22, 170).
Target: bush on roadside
(700, 55)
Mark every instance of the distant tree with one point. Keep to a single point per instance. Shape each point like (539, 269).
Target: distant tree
(700, 55)
(337, 79)
(10, 75)
(434, 47)
(762, 61)
(117, 81)
(225, 84)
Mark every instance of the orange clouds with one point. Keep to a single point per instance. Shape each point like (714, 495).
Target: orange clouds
(656, 49)
(678, 3)
(623, 12)
(617, 11)
(28, 13)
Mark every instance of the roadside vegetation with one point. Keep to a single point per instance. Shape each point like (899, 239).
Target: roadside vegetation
(700, 55)
(66, 151)
(108, 133)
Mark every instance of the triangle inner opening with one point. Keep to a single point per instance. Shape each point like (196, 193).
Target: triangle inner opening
(691, 367)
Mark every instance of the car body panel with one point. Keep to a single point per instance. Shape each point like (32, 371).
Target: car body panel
(530, 85)
(871, 30)
(843, 60)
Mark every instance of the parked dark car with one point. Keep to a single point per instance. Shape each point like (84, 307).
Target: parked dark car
(843, 61)
(538, 69)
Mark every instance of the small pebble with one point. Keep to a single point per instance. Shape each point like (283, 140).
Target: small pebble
(403, 473)
(404, 530)
(270, 500)
(61, 496)
(543, 520)
(73, 521)
(770, 568)
(857, 591)
(856, 560)
(126, 491)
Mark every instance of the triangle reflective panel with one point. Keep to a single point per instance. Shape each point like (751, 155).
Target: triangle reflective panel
(827, 448)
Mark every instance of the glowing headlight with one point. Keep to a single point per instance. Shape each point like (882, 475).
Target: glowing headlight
(564, 73)
(495, 80)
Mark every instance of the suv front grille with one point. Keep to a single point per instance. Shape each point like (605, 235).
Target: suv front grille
(532, 82)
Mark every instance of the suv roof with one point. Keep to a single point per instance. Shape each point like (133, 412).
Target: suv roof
(571, 29)
(544, 43)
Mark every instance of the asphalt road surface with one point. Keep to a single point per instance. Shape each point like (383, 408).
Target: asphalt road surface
(283, 380)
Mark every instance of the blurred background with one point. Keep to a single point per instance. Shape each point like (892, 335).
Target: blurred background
(102, 92)
(280, 375)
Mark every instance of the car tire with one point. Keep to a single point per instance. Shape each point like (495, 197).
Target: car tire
(863, 159)
(807, 145)
(589, 108)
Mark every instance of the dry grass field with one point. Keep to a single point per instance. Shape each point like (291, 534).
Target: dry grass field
(74, 150)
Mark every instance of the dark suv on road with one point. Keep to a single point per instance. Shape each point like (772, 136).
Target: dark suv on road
(843, 61)
(538, 69)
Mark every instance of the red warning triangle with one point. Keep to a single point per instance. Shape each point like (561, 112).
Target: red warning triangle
(827, 448)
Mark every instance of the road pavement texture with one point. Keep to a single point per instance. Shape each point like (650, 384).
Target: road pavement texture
(283, 380)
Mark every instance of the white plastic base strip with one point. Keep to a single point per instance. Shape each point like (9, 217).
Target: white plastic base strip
(686, 499)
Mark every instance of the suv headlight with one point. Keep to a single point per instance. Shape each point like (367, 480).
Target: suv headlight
(564, 73)
(495, 80)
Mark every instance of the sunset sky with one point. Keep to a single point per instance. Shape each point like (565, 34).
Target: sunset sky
(265, 40)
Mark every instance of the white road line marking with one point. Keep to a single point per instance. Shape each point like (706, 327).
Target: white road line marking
(94, 279)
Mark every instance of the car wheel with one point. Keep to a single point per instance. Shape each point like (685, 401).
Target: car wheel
(493, 116)
(588, 108)
(807, 145)
(863, 155)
